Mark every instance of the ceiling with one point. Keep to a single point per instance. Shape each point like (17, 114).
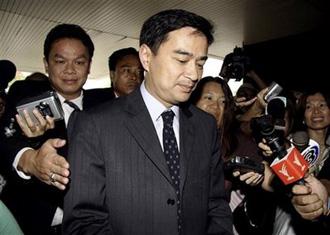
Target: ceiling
(114, 24)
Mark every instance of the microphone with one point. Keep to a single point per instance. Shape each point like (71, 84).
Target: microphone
(276, 108)
(309, 148)
(312, 153)
(299, 158)
(291, 168)
(300, 140)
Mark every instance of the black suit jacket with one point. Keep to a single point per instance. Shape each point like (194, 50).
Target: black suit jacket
(32, 202)
(120, 183)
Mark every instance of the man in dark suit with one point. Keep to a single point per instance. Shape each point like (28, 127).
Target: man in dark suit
(37, 169)
(126, 72)
(122, 182)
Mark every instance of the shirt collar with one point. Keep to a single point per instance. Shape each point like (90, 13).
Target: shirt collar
(155, 107)
(78, 101)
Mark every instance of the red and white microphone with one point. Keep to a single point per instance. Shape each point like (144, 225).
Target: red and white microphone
(291, 168)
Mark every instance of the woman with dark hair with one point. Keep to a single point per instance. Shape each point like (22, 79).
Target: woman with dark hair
(314, 112)
(213, 95)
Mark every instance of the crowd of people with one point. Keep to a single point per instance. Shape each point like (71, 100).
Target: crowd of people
(150, 154)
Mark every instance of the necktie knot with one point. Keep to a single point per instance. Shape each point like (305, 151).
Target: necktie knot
(72, 105)
(168, 116)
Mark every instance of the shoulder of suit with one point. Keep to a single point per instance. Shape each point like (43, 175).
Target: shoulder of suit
(198, 116)
(190, 109)
(102, 92)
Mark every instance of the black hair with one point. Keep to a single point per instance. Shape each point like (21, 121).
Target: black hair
(156, 28)
(3, 95)
(7, 73)
(68, 31)
(116, 56)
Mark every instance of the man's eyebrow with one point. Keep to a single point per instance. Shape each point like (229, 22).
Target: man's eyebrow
(203, 58)
(82, 56)
(181, 52)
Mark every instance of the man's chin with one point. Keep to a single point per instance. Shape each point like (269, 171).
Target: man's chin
(183, 98)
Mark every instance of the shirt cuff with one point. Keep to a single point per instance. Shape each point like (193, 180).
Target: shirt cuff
(15, 164)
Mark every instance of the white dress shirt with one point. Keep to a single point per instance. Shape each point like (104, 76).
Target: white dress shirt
(156, 108)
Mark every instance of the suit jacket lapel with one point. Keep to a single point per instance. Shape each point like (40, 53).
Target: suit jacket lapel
(186, 142)
(140, 125)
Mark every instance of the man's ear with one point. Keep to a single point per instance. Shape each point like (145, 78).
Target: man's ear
(145, 54)
(45, 65)
(112, 75)
(89, 66)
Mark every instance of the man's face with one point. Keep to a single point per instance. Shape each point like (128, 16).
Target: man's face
(174, 71)
(127, 76)
(68, 67)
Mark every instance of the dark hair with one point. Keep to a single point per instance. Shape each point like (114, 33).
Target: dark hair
(116, 56)
(37, 76)
(7, 73)
(3, 95)
(290, 110)
(155, 29)
(68, 31)
(303, 100)
(227, 133)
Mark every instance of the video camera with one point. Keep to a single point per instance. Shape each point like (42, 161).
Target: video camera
(48, 104)
(235, 65)
(264, 127)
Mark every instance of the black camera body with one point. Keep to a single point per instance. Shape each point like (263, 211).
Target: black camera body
(44, 109)
(243, 165)
(48, 104)
(235, 65)
(264, 127)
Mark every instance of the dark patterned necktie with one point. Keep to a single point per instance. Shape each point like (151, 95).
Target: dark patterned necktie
(172, 157)
(72, 105)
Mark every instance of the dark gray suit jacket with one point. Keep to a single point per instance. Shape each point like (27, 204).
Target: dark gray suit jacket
(120, 183)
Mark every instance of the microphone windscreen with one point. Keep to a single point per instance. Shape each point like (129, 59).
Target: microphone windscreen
(276, 108)
(300, 140)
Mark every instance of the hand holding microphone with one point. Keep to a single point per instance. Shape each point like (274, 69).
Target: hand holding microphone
(310, 200)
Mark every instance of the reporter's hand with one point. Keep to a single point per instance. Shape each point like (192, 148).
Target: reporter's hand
(310, 200)
(250, 178)
(268, 178)
(46, 165)
(242, 102)
(31, 129)
(266, 151)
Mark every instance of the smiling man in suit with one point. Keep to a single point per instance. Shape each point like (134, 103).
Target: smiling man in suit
(147, 163)
(37, 169)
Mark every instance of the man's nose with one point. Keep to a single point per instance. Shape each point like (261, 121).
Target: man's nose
(70, 68)
(192, 71)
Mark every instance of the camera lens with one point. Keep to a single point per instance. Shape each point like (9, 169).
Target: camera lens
(44, 109)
